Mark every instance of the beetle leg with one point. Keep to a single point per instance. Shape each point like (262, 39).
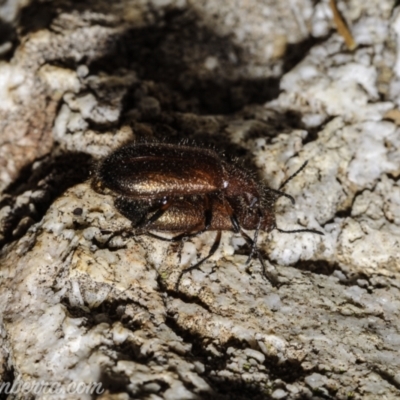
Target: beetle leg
(254, 246)
(207, 214)
(176, 238)
(268, 275)
(207, 221)
(237, 228)
(213, 249)
(252, 242)
(166, 203)
(207, 217)
(173, 239)
(234, 221)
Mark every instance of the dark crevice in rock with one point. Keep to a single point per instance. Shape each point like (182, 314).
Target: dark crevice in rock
(394, 178)
(323, 267)
(389, 377)
(114, 383)
(6, 383)
(296, 52)
(62, 171)
(9, 39)
(46, 179)
(346, 213)
(320, 267)
(235, 387)
(223, 388)
(36, 16)
(190, 299)
(108, 311)
(350, 278)
(171, 53)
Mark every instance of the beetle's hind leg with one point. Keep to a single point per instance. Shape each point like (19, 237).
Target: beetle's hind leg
(161, 208)
(213, 249)
(186, 235)
(138, 211)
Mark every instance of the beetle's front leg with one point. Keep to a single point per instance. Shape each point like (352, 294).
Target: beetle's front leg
(237, 228)
(272, 278)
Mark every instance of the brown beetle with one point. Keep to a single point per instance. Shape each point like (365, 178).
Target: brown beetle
(174, 188)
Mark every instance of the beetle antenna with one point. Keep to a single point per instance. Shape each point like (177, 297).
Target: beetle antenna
(299, 230)
(293, 175)
(280, 193)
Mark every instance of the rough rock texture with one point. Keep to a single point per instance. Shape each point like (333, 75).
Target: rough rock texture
(84, 299)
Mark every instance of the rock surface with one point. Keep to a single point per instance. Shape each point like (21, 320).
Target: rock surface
(85, 300)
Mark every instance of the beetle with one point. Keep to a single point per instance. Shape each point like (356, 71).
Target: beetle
(176, 188)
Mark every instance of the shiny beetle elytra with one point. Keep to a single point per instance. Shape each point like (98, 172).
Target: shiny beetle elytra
(175, 188)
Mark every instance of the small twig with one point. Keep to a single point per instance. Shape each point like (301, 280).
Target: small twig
(342, 26)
